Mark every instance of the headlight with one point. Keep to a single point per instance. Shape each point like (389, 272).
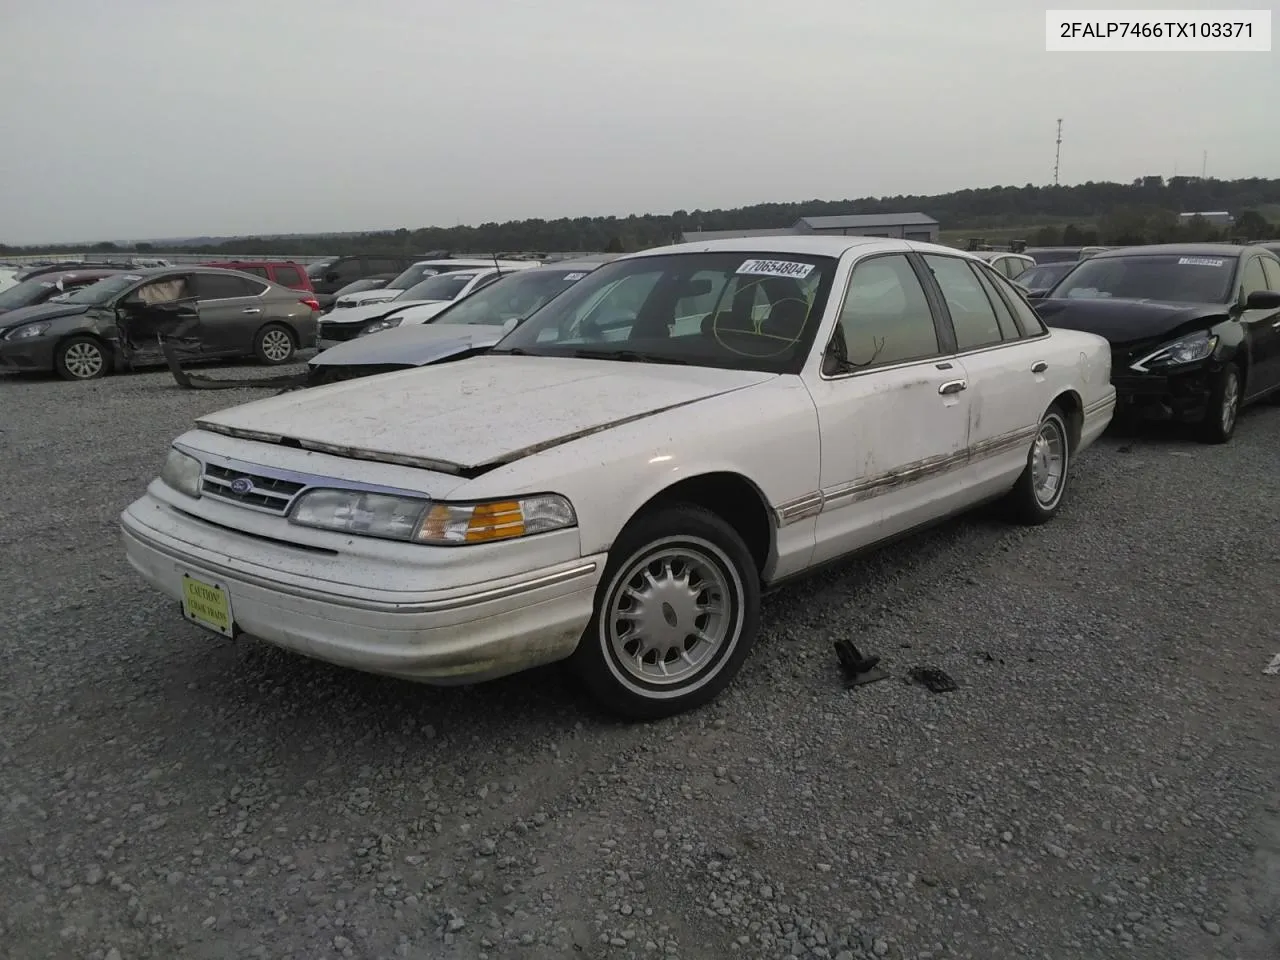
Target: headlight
(424, 521)
(182, 473)
(1197, 346)
(379, 325)
(30, 330)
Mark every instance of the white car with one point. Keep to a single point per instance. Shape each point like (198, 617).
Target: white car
(616, 482)
(423, 300)
(8, 278)
(424, 270)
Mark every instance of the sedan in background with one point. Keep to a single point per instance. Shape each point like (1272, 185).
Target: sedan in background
(417, 274)
(1194, 328)
(622, 477)
(48, 286)
(1012, 265)
(1040, 279)
(125, 320)
(376, 282)
(464, 328)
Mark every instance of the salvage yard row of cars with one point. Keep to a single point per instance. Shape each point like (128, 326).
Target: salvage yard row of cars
(614, 458)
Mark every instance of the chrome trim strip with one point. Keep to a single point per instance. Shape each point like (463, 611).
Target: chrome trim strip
(426, 606)
(1100, 404)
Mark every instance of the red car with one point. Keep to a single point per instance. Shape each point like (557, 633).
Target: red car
(284, 272)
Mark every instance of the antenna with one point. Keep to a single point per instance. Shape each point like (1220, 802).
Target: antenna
(495, 264)
(1057, 153)
(1204, 163)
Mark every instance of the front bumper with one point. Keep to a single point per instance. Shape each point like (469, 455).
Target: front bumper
(1181, 396)
(330, 331)
(441, 637)
(33, 354)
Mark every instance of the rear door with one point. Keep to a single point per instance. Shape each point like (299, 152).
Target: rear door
(1263, 326)
(231, 310)
(1003, 365)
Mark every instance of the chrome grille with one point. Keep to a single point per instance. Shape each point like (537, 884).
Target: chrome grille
(266, 493)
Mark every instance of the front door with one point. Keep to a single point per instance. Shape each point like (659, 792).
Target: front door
(160, 309)
(231, 311)
(1263, 327)
(893, 409)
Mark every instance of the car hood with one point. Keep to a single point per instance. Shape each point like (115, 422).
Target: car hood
(364, 296)
(371, 311)
(41, 311)
(463, 417)
(412, 345)
(1127, 321)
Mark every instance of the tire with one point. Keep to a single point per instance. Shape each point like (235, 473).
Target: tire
(674, 543)
(81, 358)
(1038, 494)
(1222, 412)
(274, 344)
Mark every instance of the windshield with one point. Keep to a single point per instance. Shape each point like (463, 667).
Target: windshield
(513, 297)
(744, 311)
(359, 286)
(103, 290)
(317, 269)
(411, 276)
(1173, 278)
(25, 293)
(443, 286)
(1043, 276)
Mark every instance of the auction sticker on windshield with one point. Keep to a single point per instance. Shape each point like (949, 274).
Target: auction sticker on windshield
(207, 604)
(571, 277)
(776, 268)
(1199, 262)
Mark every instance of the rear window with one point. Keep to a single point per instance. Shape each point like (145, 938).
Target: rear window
(288, 276)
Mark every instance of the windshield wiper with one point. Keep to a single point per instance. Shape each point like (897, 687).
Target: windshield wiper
(627, 356)
(513, 352)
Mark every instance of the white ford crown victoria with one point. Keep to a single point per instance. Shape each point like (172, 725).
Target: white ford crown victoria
(618, 479)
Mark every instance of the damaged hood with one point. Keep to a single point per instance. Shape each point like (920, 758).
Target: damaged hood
(42, 311)
(477, 412)
(412, 345)
(1127, 321)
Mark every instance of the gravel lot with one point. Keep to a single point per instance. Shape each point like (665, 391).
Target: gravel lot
(1104, 782)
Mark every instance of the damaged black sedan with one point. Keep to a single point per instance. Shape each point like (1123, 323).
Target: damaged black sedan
(1194, 328)
(130, 319)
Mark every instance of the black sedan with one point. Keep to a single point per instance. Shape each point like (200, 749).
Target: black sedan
(124, 321)
(1037, 281)
(1194, 328)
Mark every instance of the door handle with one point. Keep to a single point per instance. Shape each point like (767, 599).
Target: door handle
(1039, 367)
(952, 386)
(251, 310)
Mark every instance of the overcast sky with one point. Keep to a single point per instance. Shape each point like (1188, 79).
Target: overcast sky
(158, 118)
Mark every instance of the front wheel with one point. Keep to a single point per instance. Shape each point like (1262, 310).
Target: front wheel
(1038, 494)
(274, 345)
(81, 358)
(1223, 409)
(675, 614)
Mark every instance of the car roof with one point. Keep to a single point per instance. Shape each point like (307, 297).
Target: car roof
(583, 263)
(801, 245)
(1171, 249)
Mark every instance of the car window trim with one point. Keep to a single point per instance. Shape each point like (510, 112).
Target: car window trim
(1008, 290)
(943, 301)
(977, 271)
(1001, 345)
(942, 329)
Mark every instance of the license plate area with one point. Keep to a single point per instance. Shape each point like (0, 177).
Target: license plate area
(207, 605)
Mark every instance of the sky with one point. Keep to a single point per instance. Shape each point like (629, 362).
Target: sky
(139, 119)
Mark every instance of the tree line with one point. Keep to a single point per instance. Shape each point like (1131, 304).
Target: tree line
(1143, 211)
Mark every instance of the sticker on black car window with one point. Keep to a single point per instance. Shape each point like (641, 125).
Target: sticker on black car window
(1200, 262)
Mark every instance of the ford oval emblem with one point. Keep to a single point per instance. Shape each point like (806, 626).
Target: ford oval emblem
(241, 486)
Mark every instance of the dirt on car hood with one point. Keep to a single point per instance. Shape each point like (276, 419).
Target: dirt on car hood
(477, 413)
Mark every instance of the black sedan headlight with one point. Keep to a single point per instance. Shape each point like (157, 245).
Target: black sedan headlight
(379, 325)
(1188, 349)
(28, 330)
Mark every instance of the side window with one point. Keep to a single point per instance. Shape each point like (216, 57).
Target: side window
(1029, 322)
(287, 276)
(213, 286)
(1252, 279)
(1004, 316)
(165, 290)
(1017, 267)
(256, 271)
(382, 265)
(885, 317)
(349, 270)
(1272, 270)
(972, 315)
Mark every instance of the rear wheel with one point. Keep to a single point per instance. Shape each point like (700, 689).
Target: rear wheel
(1223, 409)
(274, 344)
(675, 615)
(1038, 494)
(81, 358)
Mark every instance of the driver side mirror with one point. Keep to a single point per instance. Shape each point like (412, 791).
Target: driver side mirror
(1263, 300)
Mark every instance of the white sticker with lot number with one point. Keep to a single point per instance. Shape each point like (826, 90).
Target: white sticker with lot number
(776, 268)
(571, 277)
(1199, 262)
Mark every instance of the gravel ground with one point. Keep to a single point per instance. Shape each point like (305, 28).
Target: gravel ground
(1104, 782)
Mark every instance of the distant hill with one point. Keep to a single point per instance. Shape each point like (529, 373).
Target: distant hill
(1094, 212)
